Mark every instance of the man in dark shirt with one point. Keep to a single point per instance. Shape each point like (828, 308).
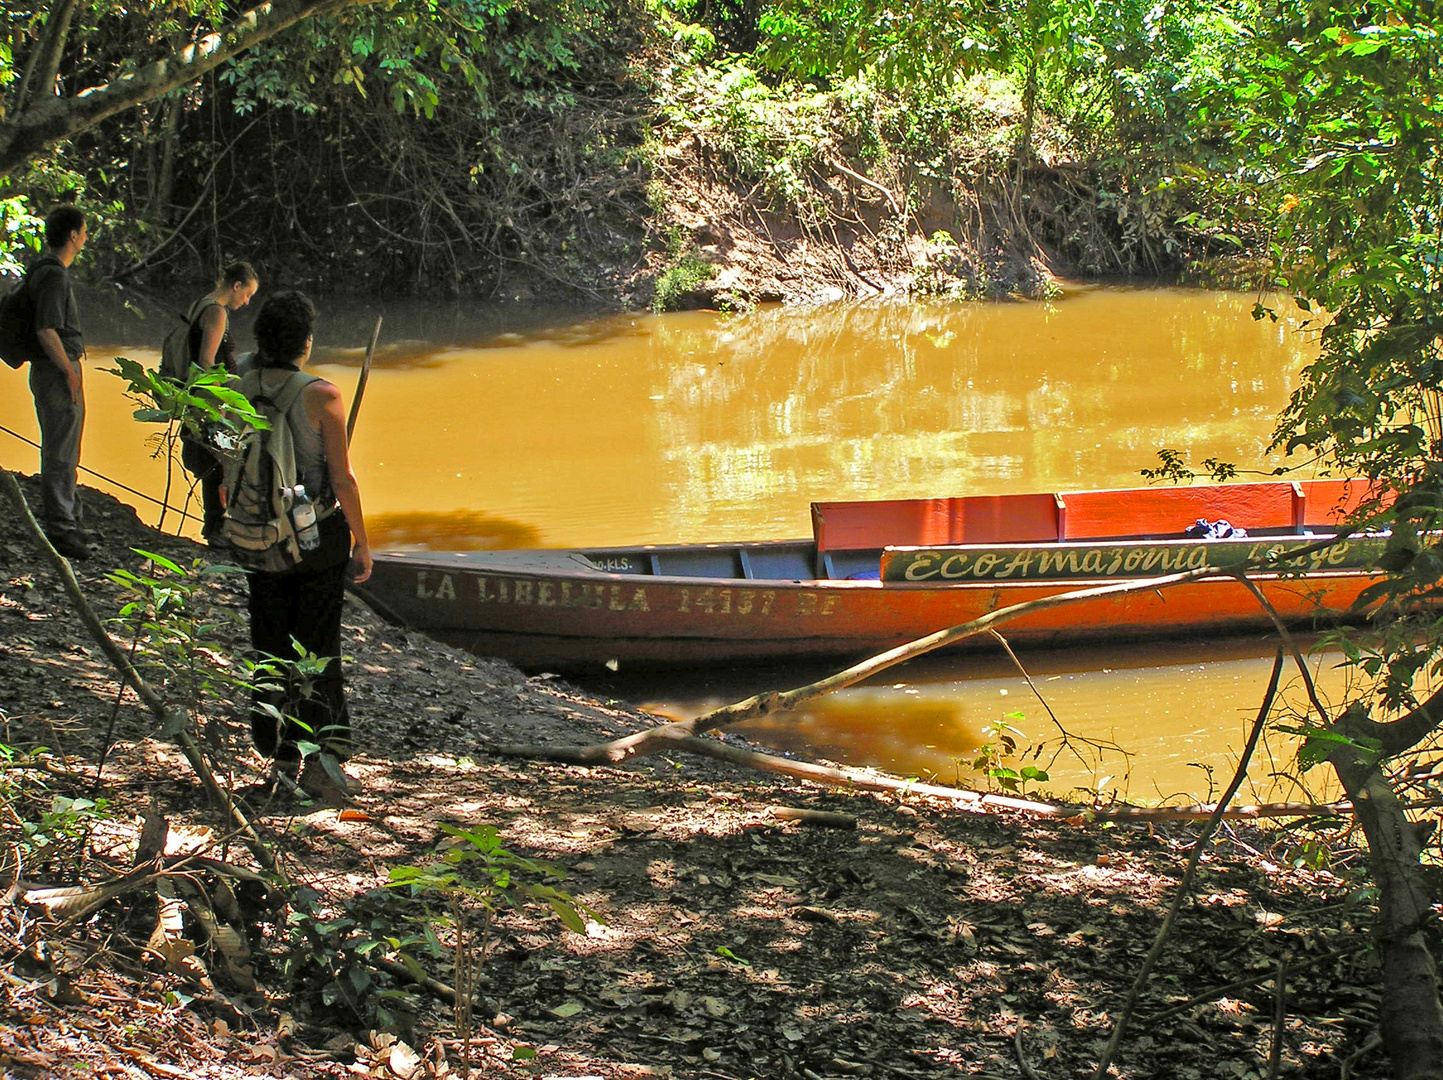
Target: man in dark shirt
(55, 380)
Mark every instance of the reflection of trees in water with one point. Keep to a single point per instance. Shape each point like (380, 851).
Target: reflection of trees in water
(896, 399)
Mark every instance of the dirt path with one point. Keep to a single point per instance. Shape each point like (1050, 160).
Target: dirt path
(727, 943)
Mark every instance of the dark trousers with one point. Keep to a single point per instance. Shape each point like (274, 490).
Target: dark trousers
(61, 424)
(304, 605)
(202, 464)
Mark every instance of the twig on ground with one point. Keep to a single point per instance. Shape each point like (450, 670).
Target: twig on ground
(1022, 1063)
(1280, 1015)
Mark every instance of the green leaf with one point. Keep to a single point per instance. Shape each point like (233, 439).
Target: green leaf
(159, 560)
(568, 914)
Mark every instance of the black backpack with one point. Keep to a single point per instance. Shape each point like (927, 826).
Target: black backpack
(18, 343)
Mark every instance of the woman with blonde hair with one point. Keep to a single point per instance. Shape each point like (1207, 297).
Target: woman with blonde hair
(211, 345)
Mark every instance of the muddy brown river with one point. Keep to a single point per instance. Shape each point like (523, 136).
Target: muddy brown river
(510, 429)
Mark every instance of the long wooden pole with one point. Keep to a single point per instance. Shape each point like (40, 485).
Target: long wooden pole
(361, 383)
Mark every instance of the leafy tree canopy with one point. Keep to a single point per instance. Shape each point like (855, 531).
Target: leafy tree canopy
(69, 67)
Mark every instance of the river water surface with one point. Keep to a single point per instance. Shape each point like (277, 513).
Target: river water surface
(486, 429)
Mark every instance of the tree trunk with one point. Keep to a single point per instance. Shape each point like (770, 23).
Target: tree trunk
(52, 46)
(164, 185)
(1411, 1018)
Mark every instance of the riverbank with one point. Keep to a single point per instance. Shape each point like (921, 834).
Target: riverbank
(724, 940)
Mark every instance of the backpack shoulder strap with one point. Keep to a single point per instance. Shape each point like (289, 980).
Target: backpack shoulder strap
(198, 308)
(283, 397)
(249, 385)
(45, 262)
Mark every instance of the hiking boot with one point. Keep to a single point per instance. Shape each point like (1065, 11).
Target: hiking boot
(69, 544)
(323, 779)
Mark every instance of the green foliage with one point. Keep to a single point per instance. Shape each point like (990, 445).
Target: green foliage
(685, 270)
(176, 638)
(1330, 122)
(25, 199)
(1127, 69)
(412, 55)
(204, 398)
(476, 869)
(1320, 743)
(44, 827)
(301, 674)
(998, 757)
(332, 954)
(22, 230)
(769, 135)
(1173, 468)
(204, 406)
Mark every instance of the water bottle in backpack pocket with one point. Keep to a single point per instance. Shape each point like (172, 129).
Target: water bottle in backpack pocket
(303, 519)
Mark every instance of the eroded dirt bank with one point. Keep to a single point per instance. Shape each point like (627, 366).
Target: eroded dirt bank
(727, 943)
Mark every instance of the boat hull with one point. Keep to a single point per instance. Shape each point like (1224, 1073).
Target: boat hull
(558, 619)
(876, 575)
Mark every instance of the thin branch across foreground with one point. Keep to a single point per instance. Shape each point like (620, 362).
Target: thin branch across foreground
(685, 735)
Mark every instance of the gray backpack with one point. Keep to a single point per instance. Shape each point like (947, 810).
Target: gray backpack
(261, 476)
(175, 358)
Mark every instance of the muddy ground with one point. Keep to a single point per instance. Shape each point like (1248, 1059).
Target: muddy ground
(721, 940)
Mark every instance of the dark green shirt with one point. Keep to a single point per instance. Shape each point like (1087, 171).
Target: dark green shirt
(54, 303)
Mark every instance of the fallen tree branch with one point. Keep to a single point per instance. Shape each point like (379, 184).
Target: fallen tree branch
(839, 776)
(825, 819)
(659, 738)
(832, 775)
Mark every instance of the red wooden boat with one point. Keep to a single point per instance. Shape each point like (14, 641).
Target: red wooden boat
(877, 574)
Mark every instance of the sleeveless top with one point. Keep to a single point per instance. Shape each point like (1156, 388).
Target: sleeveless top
(225, 351)
(311, 467)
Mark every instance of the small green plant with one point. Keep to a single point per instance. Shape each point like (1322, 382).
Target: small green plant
(943, 270)
(177, 639)
(685, 270)
(204, 406)
(333, 952)
(993, 757)
(1173, 468)
(1210, 773)
(42, 827)
(477, 876)
(288, 680)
